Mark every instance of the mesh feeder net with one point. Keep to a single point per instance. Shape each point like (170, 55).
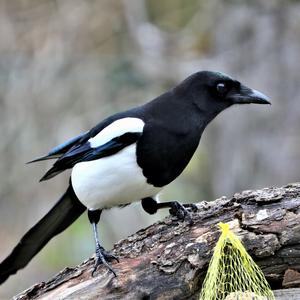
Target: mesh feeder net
(232, 274)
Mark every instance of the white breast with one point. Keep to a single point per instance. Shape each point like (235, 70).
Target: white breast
(111, 181)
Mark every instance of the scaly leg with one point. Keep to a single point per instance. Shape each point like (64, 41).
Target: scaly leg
(101, 254)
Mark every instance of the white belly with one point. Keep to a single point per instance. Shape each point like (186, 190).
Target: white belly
(111, 181)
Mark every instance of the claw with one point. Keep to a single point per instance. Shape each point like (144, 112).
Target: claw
(101, 257)
(108, 255)
(180, 212)
(99, 262)
(193, 207)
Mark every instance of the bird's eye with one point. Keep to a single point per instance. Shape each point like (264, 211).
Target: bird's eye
(222, 88)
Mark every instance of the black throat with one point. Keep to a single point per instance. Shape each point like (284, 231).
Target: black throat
(171, 136)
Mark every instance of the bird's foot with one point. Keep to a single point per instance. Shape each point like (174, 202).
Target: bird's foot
(181, 212)
(193, 207)
(101, 258)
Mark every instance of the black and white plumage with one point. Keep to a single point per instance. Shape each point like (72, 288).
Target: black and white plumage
(131, 156)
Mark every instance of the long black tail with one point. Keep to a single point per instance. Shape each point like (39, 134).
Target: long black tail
(62, 215)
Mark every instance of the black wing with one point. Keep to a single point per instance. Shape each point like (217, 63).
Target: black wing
(79, 140)
(84, 152)
(63, 148)
(59, 150)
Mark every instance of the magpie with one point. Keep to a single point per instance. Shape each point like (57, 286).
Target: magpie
(131, 156)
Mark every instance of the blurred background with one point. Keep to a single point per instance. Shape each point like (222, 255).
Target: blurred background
(67, 64)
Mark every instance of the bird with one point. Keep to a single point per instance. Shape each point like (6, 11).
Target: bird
(131, 156)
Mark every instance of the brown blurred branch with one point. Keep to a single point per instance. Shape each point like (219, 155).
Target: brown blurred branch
(169, 259)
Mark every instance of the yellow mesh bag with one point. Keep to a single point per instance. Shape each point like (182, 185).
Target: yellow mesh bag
(232, 274)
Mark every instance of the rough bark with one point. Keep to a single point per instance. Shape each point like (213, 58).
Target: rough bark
(169, 259)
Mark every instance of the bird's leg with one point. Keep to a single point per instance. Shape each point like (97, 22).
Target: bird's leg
(101, 254)
(176, 209)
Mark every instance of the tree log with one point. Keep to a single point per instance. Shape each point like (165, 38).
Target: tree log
(169, 259)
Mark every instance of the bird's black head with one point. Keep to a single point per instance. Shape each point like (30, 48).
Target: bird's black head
(213, 92)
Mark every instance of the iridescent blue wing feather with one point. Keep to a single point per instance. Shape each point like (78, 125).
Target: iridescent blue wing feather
(59, 150)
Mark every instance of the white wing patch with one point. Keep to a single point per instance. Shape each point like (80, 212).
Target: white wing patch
(116, 129)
